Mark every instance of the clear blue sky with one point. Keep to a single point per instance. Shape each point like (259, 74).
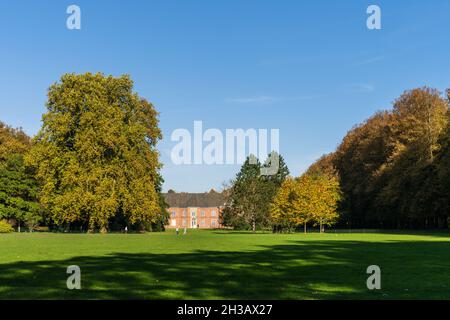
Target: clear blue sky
(310, 68)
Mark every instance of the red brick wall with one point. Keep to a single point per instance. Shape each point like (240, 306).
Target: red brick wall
(204, 218)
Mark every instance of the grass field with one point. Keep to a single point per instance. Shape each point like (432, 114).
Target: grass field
(224, 265)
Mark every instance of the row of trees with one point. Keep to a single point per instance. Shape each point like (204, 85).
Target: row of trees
(280, 202)
(93, 165)
(394, 169)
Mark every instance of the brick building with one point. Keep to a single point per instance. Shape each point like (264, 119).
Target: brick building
(194, 210)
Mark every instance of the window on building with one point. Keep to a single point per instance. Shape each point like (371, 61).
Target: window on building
(184, 213)
(173, 214)
(202, 222)
(184, 222)
(203, 213)
(213, 213)
(213, 223)
(193, 213)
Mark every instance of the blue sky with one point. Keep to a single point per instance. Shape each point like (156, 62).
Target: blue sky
(309, 68)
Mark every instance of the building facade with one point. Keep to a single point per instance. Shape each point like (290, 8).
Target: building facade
(194, 210)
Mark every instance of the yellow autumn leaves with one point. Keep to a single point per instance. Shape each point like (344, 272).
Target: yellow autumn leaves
(306, 199)
(95, 156)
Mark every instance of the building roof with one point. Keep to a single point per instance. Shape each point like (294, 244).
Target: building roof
(201, 200)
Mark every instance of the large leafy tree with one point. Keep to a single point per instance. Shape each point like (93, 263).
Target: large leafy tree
(18, 188)
(95, 155)
(441, 175)
(12, 141)
(290, 206)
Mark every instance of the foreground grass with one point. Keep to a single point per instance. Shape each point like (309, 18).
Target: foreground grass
(224, 265)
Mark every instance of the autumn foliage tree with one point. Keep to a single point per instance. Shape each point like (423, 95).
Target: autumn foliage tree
(249, 197)
(392, 168)
(325, 195)
(286, 211)
(95, 155)
(442, 172)
(307, 199)
(409, 183)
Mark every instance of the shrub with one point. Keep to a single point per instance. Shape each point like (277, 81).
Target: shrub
(5, 227)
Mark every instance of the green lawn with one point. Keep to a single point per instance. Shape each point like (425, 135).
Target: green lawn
(224, 265)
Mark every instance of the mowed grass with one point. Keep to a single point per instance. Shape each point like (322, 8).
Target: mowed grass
(224, 265)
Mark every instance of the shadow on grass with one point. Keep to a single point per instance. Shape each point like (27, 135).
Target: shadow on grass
(296, 270)
(430, 233)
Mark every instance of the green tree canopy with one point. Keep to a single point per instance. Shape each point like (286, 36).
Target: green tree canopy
(95, 155)
(392, 167)
(18, 188)
(251, 193)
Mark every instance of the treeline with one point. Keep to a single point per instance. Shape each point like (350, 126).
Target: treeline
(394, 169)
(279, 202)
(93, 166)
(249, 196)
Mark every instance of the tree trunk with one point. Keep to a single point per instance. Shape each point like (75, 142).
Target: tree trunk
(320, 226)
(91, 227)
(304, 227)
(254, 226)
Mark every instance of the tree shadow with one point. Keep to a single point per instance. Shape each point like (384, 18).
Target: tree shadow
(297, 270)
(409, 232)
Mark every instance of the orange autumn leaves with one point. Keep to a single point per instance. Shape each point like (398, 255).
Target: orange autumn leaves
(95, 155)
